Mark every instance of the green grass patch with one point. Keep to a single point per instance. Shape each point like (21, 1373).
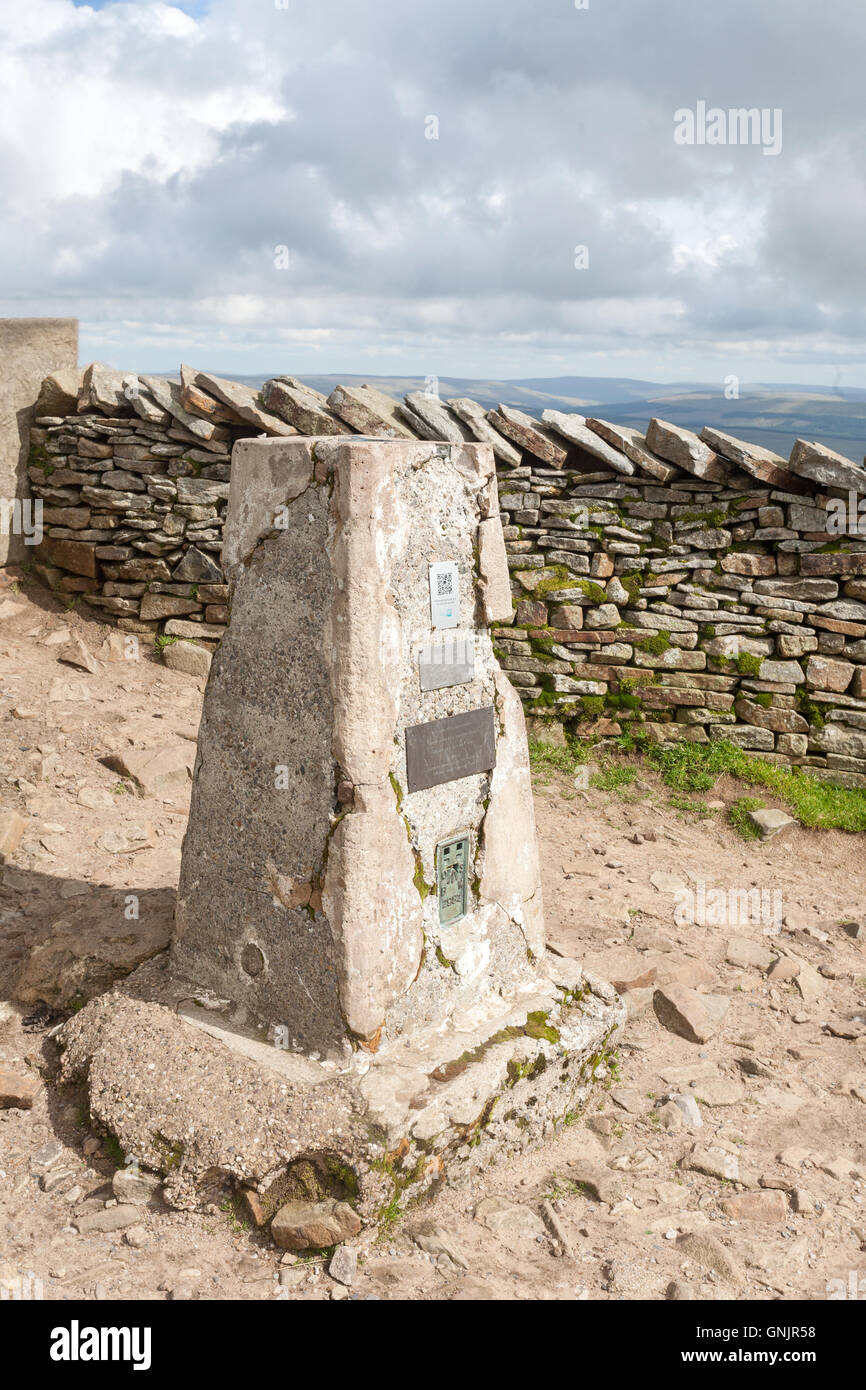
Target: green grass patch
(687, 768)
(690, 807)
(695, 767)
(549, 755)
(613, 777)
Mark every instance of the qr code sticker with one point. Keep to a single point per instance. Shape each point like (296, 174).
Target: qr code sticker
(444, 585)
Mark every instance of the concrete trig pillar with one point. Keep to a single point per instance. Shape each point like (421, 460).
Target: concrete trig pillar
(361, 861)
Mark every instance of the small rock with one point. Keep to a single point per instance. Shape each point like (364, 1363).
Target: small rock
(774, 1099)
(638, 1002)
(795, 1157)
(46, 1157)
(314, 1225)
(670, 1116)
(694, 974)
(748, 955)
(510, 1222)
(437, 1241)
(597, 1181)
(550, 1217)
(783, 970)
(719, 1091)
(713, 1163)
(96, 799)
(343, 1265)
(76, 654)
(771, 1207)
(60, 1180)
(111, 1219)
(72, 692)
(802, 1201)
(17, 1092)
(810, 984)
(641, 982)
(187, 657)
(708, 1252)
(838, 1168)
(136, 1187)
(688, 1108)
(129, 840)
(770, 822)
(629, 1100)
(252, 1206)
(164, 773)
(693, 1016)
(12, 828)
(678, 1292)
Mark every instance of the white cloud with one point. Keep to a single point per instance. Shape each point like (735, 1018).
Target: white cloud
(153, 159)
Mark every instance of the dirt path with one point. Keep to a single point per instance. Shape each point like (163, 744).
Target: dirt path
(778, 1093)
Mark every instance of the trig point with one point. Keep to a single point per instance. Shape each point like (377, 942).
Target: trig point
(361, 859)
(360, 914)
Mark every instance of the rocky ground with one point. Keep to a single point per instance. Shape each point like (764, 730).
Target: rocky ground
(751, 1184)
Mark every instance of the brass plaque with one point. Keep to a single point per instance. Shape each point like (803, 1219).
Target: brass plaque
(452, 878)
(447, 749)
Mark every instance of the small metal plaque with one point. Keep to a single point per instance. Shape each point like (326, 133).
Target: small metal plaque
(448, 749)
(452, 877)
(451, 662)
(445, 594)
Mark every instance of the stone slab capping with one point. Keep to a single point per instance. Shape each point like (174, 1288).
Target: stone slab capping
(358, 981)
(689, 583)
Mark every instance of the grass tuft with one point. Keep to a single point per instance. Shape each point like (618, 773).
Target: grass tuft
(738, 815)
(612, 778)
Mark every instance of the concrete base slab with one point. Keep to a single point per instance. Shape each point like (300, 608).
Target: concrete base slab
(194, 1094)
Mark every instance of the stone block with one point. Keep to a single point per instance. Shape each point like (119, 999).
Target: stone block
(30, 350)
(823, 673)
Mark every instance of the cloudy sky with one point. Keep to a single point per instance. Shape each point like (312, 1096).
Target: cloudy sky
(251, 185)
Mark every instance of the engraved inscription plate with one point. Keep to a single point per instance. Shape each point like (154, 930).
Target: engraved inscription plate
(447, 749)
(451, 662)
(452, 876)
(445, 594)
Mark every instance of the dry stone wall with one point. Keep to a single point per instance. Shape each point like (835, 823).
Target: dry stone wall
(700, 586)
(707, 605)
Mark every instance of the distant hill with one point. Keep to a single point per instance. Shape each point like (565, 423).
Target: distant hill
(773, 415)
